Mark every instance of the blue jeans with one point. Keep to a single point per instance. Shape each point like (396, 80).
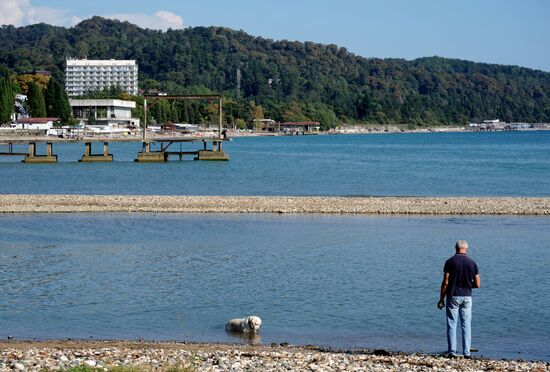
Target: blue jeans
(459, 306)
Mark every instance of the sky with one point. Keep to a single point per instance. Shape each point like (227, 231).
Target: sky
(493, 31)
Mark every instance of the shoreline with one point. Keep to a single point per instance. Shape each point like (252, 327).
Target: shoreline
(334, 205)
(181, 356)
(239, 133)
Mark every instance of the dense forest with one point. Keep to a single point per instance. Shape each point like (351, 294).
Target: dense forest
(286, 80)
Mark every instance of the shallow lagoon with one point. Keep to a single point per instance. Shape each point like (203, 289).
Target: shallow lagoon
(345, 281)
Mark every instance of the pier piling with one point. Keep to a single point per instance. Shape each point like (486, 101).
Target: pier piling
(32, 157)
(148, 156)
(90, 157)
(211, 149)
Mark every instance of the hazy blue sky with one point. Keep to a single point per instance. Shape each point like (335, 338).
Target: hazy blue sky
(495, 31)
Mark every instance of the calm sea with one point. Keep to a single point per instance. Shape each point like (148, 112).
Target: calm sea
(343, 281)
(441, 164)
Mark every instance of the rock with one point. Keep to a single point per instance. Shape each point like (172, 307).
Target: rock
(90, 363)
(76, 362)
(381, 352)
(213, 357)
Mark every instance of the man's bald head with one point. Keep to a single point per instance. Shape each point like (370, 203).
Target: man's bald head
(461, 246)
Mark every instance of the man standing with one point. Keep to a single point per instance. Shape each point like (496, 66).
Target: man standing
(460, 275)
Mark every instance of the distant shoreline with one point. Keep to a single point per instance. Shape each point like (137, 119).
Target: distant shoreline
(30, 136)
(36, 203)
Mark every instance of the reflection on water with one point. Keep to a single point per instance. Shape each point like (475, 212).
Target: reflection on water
(248, 337)
(347, 281)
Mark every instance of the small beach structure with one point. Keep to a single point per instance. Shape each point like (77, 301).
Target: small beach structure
(35, 123)
(291, 127)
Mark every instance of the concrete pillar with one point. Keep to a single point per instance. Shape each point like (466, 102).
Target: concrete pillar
(151, 157)
(148, 156)
(33, 158)
(90, 157)
(87, 149)
(32, 149)
(211, 155)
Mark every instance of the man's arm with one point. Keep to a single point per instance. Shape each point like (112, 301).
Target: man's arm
(477, 281)
(444, 285)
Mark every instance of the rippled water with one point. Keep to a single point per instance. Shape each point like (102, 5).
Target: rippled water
(356, 281)
(443, 164)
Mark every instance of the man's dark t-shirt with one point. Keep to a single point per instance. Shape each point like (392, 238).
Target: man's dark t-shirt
(462, 270)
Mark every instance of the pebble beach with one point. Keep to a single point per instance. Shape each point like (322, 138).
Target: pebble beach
(12, 203)
(143, 356)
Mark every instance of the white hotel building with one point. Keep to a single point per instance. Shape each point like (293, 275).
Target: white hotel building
(82, 76)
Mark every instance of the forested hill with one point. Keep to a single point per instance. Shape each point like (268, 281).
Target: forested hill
(288, 80)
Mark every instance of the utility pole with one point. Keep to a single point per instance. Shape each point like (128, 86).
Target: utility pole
(144, 118)
(220, 119)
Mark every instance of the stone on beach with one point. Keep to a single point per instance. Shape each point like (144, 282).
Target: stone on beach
(12, 203)
(55, 355)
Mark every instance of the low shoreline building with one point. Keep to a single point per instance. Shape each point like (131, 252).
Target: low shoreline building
(112, 112)
(301, 127)
(35, 123)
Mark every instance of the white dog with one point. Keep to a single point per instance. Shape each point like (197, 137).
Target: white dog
(249, 324)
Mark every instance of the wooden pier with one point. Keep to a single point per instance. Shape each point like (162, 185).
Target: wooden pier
(207, 149)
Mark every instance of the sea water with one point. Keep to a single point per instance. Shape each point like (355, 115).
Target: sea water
(341, 281)
(424, 164)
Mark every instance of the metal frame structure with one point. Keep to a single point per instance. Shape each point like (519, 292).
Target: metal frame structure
(196, 97)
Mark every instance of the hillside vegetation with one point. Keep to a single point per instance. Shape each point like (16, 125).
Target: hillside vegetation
(286, 80)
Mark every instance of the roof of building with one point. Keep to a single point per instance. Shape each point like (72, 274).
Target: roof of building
(300, 123)
(101, 103)
(100, 62)
(35, 120)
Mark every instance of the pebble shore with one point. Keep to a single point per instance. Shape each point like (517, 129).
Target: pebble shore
(20, 203)
(109, 355)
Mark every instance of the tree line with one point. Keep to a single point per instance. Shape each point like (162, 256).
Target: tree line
(42, 101)
(285, 80)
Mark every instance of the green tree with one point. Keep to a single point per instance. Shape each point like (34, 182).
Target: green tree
(35, 101)
(277, 74)
(6, 100)
(57, 102)
(65, 112)
(322, 114)
(90, 116)
(50, 96)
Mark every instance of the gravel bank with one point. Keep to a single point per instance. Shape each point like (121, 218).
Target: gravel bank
(273, 204)
(60, 355)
